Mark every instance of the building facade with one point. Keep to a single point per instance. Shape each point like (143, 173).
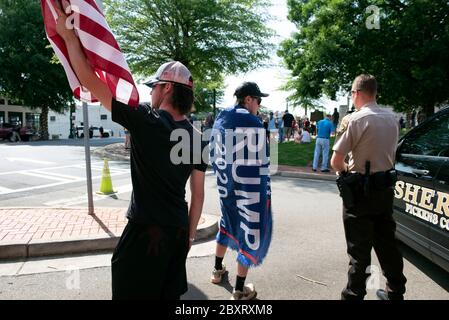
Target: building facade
(58, 123)
(13, 112)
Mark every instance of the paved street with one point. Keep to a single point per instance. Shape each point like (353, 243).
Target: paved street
(53, 174)
(307, 258)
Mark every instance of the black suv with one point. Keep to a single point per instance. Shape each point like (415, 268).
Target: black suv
(421, 205)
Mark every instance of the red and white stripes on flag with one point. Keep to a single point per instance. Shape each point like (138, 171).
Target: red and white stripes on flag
(100, 48)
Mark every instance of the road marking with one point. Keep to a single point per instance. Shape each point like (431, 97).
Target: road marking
(75, 178)
(29, 160)
(49, 168)
(44, 176)
(55, 184)
(81, 199)
(5, 190)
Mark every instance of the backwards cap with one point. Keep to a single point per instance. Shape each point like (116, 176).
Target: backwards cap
(173, 71)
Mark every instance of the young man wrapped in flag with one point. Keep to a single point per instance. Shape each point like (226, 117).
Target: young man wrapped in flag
(240, 160)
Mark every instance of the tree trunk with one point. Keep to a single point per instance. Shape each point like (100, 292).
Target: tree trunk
(425, 112)
(429, 110)
(43, 130)
(408, 121)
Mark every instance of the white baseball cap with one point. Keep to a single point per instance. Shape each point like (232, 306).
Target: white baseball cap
(173, 71)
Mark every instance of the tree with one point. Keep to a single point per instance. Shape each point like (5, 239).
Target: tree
(404, 43)
(210, 37)
(27, 71)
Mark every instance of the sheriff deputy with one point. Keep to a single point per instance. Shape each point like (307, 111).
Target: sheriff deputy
(370, 140)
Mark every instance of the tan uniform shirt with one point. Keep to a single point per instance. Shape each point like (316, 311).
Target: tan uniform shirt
(372, 135)
(343, 125)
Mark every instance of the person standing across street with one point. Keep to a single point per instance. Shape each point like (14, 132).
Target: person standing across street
(366, 186)
(322, 143)
(271, 126)
(149, 260)
(280, 125)
(335, 119)
(288, 124)
(244, 187)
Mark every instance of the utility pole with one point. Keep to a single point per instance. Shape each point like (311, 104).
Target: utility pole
(90, 200)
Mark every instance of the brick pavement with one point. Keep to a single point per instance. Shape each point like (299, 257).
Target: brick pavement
(26, 224)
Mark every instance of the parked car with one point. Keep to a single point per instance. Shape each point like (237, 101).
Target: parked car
(94, 132)
(13, 132)
(421, 204)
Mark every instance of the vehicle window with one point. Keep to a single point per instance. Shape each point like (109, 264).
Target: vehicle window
(430, 140)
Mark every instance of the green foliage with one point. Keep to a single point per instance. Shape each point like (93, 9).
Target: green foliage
(408, 54)
(27, 73)
(211, 37)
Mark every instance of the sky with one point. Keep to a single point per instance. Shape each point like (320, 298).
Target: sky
(269, 79)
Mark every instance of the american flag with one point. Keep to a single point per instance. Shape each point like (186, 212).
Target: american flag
(100, 48)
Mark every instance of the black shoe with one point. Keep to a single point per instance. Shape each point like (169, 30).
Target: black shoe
(325, 170)
(314, 170)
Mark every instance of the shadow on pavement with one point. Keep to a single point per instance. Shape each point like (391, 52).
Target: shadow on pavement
(193, 293)
(430, 269)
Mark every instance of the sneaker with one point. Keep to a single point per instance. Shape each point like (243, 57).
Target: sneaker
(248, 293)
(218, 274)
(384, 295)
(325, 170)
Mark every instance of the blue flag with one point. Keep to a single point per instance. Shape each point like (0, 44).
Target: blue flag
(239, 156)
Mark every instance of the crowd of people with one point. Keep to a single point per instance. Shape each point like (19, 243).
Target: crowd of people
(284, 127)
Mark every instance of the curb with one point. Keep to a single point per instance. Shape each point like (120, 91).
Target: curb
(306, 175)
(39, 248)
(110, 156)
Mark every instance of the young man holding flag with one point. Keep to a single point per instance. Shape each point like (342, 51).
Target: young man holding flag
(240, 160)
(149, 260)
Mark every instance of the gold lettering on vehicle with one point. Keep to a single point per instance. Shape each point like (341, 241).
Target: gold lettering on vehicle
(442, 205)
(411, 193)
(424, 203)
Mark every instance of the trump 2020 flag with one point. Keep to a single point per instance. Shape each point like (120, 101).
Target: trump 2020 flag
(239, 157)
(99, 46)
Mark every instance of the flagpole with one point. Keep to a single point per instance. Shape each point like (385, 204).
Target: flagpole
(90, 199)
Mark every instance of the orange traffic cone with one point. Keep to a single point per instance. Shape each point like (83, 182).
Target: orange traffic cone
(106, 182)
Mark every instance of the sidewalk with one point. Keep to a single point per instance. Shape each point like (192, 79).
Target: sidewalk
(34, 232)
(305, 173)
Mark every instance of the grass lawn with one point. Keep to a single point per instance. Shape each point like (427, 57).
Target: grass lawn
(301, 155)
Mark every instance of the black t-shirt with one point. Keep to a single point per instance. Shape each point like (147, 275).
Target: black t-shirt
(288, 120)
(158, 196)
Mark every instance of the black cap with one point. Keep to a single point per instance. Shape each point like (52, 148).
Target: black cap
(249, 89)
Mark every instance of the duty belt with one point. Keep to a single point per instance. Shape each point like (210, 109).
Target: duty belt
(350, 184)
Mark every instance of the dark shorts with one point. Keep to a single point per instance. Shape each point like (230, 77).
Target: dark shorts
(149, 262)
